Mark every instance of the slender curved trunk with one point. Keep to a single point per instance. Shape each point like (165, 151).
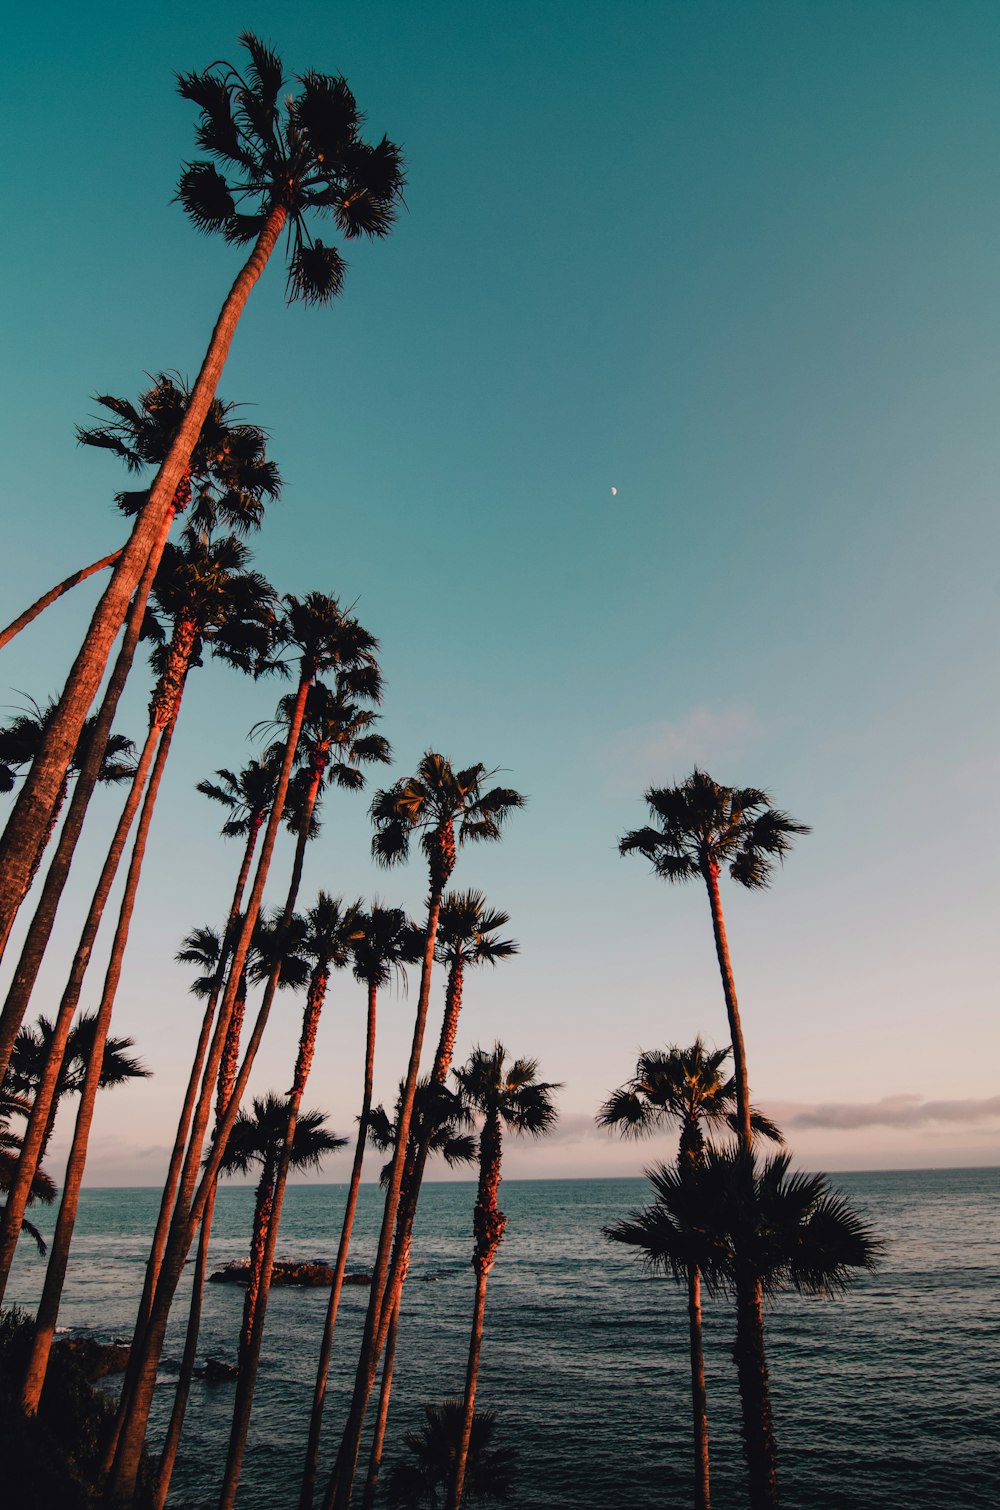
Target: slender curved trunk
(168, 1454)
(63, 793)
(187, 1212)
(55, 1274)
(489, 1223)
(40, 930)
(330, 1322)
(342, 1480)
(256, 1312)
(35, 1130)
(54, 593)
(382, 1415)
(699, 1399)
(469, 1400)
(751, 1359)
(37, 797)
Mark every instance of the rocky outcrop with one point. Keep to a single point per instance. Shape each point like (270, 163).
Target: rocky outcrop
(307, 1274)
(96, 1359)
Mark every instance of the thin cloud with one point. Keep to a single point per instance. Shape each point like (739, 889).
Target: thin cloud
(892, 1111)
(668, 750)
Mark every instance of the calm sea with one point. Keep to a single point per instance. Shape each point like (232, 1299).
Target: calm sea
(889, 1397)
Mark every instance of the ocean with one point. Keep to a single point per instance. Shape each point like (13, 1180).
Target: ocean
(886, 1397)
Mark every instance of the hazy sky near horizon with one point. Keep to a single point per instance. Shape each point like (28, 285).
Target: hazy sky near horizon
(738, 264)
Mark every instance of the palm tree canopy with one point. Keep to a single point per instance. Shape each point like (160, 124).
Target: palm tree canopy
(704, 826)
(436, 797)
(331, 931)
(231, 476)
(336, 735)
(257, 1137)
(276, 942)
(25, 734)
(467, 929)
(248, 795)
(388, 942)
(207, 585)
(316, 631)
(439, 1116)
(304, 153)
(489, 1085)
(789, 1230)
(30, 1054)
(422, 1478)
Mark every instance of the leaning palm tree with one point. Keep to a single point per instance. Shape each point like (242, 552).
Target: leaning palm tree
(421, 1479)
(281, 162)
(467, 937)
(388, 942)
(685, 1087)
(331, 930)
(321, 638)
(445, 808)
(731, 1216)
(508, 1097)
(208, 598)
(703, 828)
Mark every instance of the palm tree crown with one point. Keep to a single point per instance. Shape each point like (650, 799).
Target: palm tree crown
(23, 737)
(304, 155)
(705, 826)
(229, 478)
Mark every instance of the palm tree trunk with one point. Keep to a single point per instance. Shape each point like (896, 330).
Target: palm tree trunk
(255, 1313)
(36, 800)
(40, 604)
(342, 1481)
(168, 1454)
(469, 1402)
(382, 1416)
(699, 1399)
(751, 1367)
(63, 793)
(711, 874)
(40, 930)
(34, 1132)
(188, 1213)
(326, 1345)
(55, 1274)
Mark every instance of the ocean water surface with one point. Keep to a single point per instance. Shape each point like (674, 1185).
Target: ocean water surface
(888, 1397)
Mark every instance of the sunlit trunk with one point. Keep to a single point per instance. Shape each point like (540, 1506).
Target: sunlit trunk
(53, 594)
(699, 1399)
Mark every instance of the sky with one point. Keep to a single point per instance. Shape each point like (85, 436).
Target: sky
(661, 431)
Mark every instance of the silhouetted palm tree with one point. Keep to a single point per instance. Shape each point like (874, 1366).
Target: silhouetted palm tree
(421, 1479)
(281, 162)
(509, 1098)
(703, 828)
(445, 808)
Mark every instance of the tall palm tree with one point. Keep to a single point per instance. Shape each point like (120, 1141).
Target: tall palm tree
(208, 598)
(508, 1097)
(685, 1087)
(730, 1216)
(227, 480)
(331, 930)
(444, 808)
(421, 1479)
(467, 932)
(388, 942)
(321, 638)
(281, 162)
(704, 827)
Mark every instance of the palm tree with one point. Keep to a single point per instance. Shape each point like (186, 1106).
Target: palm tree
(703, 827)
(208, 598)
(324, 639)
(281, 162)
(31, 1052)
(445, 807)
(467, 931)
(422, 1479)
(43, 1188)
(684, 1086)
(731, 1217)
(331, 929)
(388, 942)
(507, 1097)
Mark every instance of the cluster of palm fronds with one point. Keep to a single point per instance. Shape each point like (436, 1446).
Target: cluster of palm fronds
(274, 164)
(718, 1214)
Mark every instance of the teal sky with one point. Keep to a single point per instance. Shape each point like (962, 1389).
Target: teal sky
(738, 263)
